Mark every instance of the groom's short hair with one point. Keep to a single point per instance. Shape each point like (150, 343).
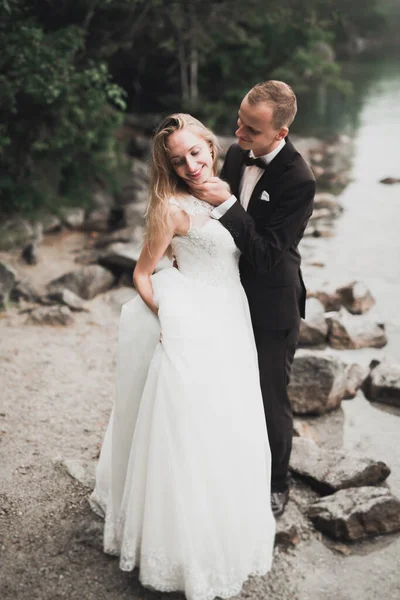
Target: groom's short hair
(282, 98)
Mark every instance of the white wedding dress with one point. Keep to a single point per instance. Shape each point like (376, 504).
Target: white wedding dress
(183, 478)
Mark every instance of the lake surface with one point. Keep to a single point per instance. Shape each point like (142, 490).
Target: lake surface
(366, 247)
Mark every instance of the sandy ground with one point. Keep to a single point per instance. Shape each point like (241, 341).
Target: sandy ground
(56, 394)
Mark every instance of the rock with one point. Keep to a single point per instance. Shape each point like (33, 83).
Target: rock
(328, 471)
(328, 297)
(25, 290)
(118, 297)
(88, 257)
(389, 180)
(134, 214)
(123, 257)
(81, 470)
(50, 223)
(29, 253)
(15, 232)
(50, 315)
(320, 213)
(355, 377)
(329, 202)
(357, 513)
(98, 220)
(86, 282)
(383, 383)
(302, 429)
(120, 257)
(140, 174)
(69, 299)
(139, 146)
(125, 235)
(348, 331)
(318, 382)
(73, 217)
(7, 280)
(313, 329)
(318, 170)
(287, 532)
(316, 157)
(356, 297)
(102, 199)
(324, 233)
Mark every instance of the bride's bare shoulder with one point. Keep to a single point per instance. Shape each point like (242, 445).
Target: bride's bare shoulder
(179, 217)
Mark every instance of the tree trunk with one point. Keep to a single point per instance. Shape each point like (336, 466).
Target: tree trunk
(194, 69)
(184, 72)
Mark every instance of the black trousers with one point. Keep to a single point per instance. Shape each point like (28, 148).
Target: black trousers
(275, 356)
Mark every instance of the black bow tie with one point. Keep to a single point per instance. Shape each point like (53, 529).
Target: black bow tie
(254, 162)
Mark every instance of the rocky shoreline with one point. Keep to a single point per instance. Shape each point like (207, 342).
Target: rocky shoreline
(343, 498)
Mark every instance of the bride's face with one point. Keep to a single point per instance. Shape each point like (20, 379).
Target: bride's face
(190, 156)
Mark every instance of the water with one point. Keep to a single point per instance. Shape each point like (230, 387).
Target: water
(366, 247)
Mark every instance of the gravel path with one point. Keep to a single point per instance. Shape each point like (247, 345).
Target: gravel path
(56, 392)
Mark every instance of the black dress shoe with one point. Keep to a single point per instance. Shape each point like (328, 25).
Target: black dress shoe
(278, 502)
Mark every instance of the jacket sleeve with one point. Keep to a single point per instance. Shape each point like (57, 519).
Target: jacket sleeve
(264, 247)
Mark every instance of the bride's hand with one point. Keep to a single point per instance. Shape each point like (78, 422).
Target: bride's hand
(214, 191)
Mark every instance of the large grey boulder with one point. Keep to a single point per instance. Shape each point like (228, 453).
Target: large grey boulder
(356, 297)
(7, 280)
(347, 331)
(50, 315)
(86, 282)
(313, 329)
(383, 383)
(318, 382)
(357, 513)
(328, 471)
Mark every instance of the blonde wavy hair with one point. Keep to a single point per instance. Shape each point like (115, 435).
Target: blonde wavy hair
(164, 182)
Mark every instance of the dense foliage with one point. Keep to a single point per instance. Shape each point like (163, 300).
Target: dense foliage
(68, 69)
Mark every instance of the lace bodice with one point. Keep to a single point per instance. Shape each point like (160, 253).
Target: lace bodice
(208, 252)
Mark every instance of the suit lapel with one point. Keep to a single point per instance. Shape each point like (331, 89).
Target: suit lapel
(272, 173)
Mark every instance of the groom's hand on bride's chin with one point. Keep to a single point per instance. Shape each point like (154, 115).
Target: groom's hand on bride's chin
(214, 191)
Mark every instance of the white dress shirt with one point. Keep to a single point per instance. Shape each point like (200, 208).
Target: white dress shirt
(248, 181)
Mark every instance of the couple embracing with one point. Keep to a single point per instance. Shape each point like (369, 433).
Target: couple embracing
(194, 465)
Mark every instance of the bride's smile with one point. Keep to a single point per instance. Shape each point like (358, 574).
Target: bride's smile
(191, 157)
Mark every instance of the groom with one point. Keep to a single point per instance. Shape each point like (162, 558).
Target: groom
(266, 212)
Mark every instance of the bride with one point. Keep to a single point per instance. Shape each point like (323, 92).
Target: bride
(183, 479)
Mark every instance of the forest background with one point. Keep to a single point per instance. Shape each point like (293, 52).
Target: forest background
(73, 72)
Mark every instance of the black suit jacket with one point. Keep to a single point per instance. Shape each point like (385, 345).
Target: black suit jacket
(268, 235)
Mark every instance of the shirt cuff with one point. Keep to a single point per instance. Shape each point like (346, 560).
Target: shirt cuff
(220, 210)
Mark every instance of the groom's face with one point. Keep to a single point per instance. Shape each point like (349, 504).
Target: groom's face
(256, 130)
